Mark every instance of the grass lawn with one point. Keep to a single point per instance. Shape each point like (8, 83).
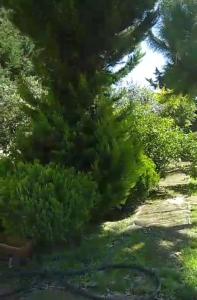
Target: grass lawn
(170, 251)
(189, 258)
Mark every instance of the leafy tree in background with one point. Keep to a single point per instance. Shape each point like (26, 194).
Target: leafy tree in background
(177, 40)
(162, 122)
(182, 109)
(161, 138)
(16, 52)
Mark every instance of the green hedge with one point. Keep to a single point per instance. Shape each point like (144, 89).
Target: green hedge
(46, 202)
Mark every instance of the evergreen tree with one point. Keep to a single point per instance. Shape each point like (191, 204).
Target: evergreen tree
(80, 41)
(79, 44)
(176, 38)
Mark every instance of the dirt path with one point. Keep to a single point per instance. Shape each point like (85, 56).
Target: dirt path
(158, 233)
(173, 208)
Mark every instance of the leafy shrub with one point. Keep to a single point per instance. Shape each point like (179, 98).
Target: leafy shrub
(162, 122)
(189, 151)
(147, 182)
(48, 203)
(148, 179)
(189, 147)
(193, 170)
(161, 138)
(182, 109)
(118, 162)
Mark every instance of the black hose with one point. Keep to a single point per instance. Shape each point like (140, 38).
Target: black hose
(81, 291)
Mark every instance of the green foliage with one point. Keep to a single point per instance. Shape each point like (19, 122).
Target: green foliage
(160, 137)
(79, 43)
(48, 138)
(15, 48)
(194, 170)
(189, 152)
(147, 181)
(11, 117)
(189, 147)
(182, 109)
(48, 203)
(73, 124)
(118, 158)
(162, 121)
(79, 39)
(176, 38)
(16, 53)
(12, 60)
(100, 143)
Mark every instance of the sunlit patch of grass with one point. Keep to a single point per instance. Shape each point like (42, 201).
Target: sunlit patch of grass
(189, 254)
(193, 186)
(190, 264)
(137, 247)
(121, 242)
(113, 243)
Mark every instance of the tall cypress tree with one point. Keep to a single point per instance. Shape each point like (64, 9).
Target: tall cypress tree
(79, 43)
(80, 40)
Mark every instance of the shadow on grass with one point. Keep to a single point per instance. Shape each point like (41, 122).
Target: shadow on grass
(161, 194)
(153, 247)
(118, 214)
(183, 189)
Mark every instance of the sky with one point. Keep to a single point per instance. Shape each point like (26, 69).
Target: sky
(146, 68)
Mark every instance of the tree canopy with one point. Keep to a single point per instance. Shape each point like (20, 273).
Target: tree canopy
(77, 45)
(176, 38)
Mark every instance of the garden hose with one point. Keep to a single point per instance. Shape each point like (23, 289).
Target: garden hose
(81, 291)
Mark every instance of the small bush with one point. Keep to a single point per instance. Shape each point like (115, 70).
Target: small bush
(48, 203)
(193, 170)
(147, 182)
(189, 147)
(189, 152)
(149, 178)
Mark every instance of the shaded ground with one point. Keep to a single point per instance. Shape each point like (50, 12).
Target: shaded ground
(162, 234)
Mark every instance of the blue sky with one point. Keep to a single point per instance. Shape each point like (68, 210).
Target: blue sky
(146, 68)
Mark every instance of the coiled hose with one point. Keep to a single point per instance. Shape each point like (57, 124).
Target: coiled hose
(81, 291)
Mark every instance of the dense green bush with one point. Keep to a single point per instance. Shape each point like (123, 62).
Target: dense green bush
(189, 147)
(118, 159)
(16, 55)
(48, 203)
(182, 109)
(147, 181)
(162, 122)
(189, 152)
(101, 143)
(161, 138)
